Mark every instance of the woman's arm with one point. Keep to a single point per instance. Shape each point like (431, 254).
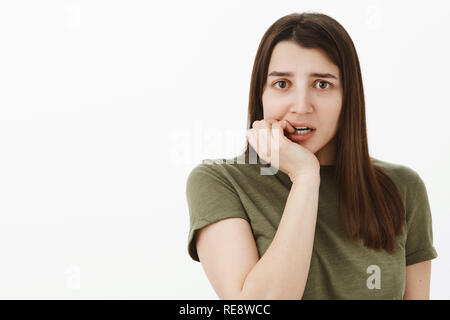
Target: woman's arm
(282, 271)
(418, 281)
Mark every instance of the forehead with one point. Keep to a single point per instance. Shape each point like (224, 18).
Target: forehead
(289, 56)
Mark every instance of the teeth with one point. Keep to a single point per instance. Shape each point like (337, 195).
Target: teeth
(303, 131)
(301, 128)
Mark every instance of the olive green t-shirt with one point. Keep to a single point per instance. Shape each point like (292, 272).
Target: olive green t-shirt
(340, 268)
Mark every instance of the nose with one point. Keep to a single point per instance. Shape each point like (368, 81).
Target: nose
(301, 102)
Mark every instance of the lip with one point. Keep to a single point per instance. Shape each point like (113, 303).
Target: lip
(301, 124)
(300, 137)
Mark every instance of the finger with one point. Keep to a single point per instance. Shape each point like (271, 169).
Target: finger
(277, 138)
(263, 134)
(265, 123)
(267, 134)
(271, 120)
(287, 126)
(255, 124)
(278, 133)
(277, 126)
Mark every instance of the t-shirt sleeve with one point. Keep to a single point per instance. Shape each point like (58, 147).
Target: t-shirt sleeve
(210, 197)
(419, 241)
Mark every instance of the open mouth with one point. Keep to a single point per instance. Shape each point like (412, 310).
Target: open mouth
(303, 130)
(301, 134)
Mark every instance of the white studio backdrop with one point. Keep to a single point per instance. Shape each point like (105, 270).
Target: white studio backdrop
(106, 106)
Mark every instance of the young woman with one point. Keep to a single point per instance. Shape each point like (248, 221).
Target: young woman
(330, 222)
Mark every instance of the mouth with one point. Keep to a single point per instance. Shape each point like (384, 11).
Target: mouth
(301, 134)
(303, 130)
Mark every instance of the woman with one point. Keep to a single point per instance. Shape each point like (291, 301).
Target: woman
(329, 221)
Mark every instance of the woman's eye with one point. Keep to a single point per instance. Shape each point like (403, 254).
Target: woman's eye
(279, 82)
(329, 84)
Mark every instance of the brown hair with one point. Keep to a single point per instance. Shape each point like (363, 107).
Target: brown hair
(374, 210)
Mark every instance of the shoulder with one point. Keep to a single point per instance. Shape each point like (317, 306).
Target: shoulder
(226, 170)
(211, 168)
(409, 183)
(203, 175)
(402, 175)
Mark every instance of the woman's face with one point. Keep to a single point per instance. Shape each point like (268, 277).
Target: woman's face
(302, 97)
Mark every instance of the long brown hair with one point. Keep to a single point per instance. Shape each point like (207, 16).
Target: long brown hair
(374, 210)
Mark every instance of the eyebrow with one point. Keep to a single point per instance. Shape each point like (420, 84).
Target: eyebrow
(290, 74)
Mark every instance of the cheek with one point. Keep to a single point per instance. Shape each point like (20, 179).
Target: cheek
(333, 123)
(329, 119)
(272, 107)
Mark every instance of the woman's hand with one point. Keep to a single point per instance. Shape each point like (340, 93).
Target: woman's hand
(287, 156)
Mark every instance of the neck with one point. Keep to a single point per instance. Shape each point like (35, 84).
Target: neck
(327, 154)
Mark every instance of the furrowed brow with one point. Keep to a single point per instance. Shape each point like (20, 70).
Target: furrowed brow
(290, 74)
